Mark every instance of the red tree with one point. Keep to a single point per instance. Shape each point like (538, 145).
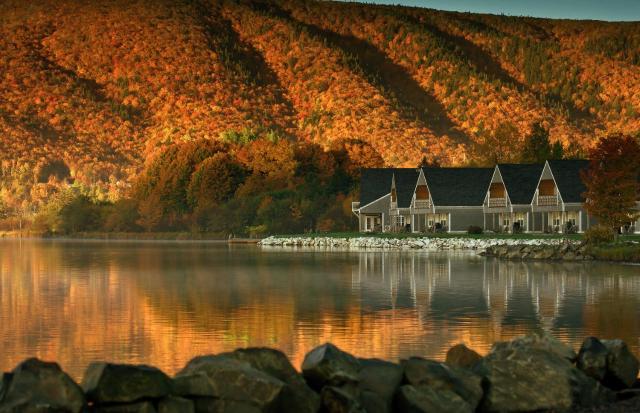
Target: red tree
(612, 180)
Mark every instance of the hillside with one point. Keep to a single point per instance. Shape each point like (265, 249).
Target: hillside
(90, 90)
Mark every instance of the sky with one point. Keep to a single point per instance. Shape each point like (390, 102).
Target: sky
(612, 10)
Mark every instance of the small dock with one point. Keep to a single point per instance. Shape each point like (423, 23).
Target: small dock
(243, 240)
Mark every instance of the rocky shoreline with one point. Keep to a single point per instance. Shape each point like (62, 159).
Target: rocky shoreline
(533, 373)
(423, 243)
(558, 252)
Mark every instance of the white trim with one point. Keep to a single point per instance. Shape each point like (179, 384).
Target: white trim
(546, 164)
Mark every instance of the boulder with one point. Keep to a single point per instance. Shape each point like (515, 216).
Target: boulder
(213, 405)
(236, 381)
(193, 385)
(38, 386)
(592, 358)
(328, 365)
(462, 356)
(172, 404)
(124, 383)
(296, 396)
(378, 381)
(428, 400)
(140, 407)
(542, 341)
(622, 366)
(520, 379)
(441, 378)
(336, 400)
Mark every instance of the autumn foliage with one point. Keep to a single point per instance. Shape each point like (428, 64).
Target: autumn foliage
(92, 93)
(613, 181)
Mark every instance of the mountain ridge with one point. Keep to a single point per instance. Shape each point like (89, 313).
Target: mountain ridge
(102, 86)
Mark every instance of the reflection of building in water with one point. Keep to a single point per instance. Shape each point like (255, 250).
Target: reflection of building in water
(478, 301)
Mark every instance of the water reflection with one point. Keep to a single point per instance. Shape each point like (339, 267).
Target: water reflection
(163, 303)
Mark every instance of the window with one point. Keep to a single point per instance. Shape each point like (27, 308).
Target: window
(400, 221)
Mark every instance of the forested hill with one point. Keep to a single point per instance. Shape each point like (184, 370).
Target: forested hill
(91, 89)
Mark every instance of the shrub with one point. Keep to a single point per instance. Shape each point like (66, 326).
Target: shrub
(474, 229)
(599, 234)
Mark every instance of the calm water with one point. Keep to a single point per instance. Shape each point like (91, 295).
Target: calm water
(164, 303)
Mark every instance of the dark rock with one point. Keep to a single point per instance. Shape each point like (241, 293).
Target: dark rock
(38, 386)
(530, 379)
(296, 396)
(441, 378)
(462, 356)
(193, 385)
(427, 400)
(336, 400)
(378, 381)
(172, 404)
(592, 358)
(213, 405)
(141, 407)
(235, 382)
(328, 365)
(622, 366)
(542, 341)
(124, 383)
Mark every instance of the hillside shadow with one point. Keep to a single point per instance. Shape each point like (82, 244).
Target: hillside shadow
(391, 79)
(241, 58)
(487, 65)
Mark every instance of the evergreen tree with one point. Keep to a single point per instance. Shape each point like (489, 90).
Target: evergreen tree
(538, 148)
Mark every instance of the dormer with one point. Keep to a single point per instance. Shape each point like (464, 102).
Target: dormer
(421, 201)
(497, 197)
(547, 193)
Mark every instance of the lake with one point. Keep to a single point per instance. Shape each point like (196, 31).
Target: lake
(163, 303)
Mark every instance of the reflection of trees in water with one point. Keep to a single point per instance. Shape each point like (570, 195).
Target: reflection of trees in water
(164, 303)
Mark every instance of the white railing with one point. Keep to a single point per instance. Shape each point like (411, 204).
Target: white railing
(547, 200)
(422, 204)
(355, 206)
(497, 202)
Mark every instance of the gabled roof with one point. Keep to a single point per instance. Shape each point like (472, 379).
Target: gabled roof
(520, 181)
(567, 176)
(406, 179)
(374, 184)
(458, 186)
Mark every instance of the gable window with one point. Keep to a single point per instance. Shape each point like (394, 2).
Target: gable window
(422, 192)
(496, 190)
(547, 188)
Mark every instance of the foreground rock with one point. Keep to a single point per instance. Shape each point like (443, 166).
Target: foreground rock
(38, 386)
(526, 374)
(443, 386)
(236, 383)
(123, 383)
(522, 378)
(462, 356)
(296, 395)
(327, 365)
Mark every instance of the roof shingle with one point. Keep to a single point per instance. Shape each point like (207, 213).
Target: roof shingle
(458, 186)
(520, 181)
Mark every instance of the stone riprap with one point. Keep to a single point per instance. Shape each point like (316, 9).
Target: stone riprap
(532, 373)
(423, 243)
(565, 251)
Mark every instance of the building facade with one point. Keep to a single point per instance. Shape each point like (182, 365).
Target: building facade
(509, 198)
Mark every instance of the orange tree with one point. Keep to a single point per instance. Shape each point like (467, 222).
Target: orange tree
(612, 180)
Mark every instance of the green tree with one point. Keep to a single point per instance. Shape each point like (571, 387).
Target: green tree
(214, 181)
(538, 148)
(612, 181)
